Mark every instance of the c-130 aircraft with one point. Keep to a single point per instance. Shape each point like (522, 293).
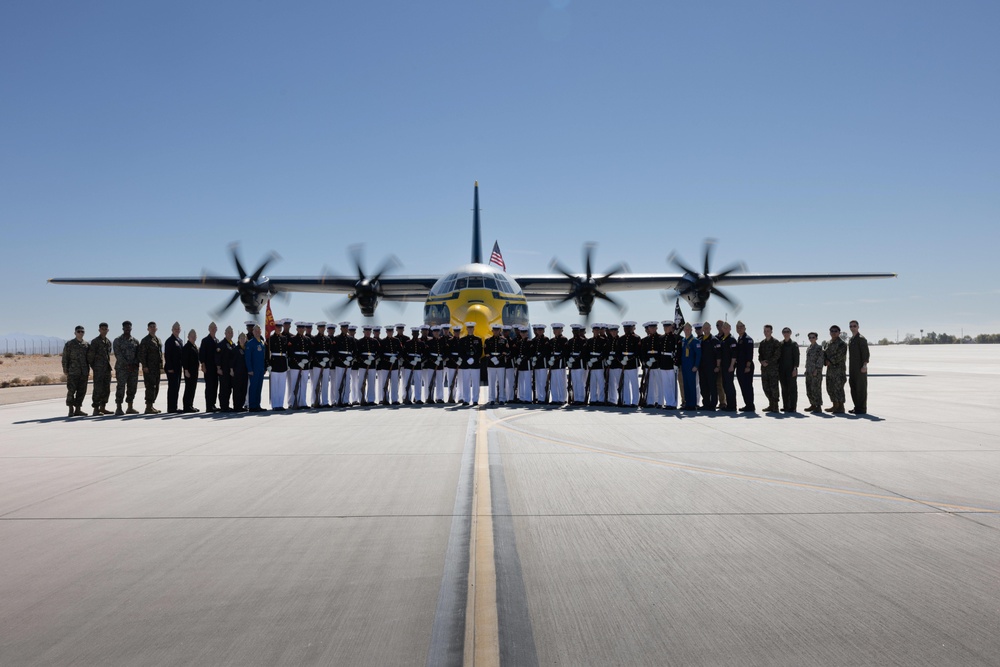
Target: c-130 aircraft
(479, 292)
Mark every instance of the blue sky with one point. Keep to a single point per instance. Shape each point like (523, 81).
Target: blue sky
(143, 138)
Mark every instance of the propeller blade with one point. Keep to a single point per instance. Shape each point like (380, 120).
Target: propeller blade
(260, 270)
(217, 314)
(355, 252)
(675, 259)
(391, 263)
(556, 266)
(588, 253)
(334, 312)
(616, 269)
(614, 302)
(234, 250)
(709, 246)
(737, 306)
(739, 267)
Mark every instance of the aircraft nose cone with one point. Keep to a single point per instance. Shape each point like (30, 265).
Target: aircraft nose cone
(482, 315)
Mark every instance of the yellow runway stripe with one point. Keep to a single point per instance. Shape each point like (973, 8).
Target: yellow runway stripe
(734, 475)
(482, 637)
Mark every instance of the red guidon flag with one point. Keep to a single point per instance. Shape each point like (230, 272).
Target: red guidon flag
(269, 321)
(496, 258)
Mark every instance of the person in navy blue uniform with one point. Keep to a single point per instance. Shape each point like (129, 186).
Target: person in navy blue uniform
(172, 364)
(255, 355)
(744, 366)
(708, 369)
(209, 348)
(788, 371)
(224, 358)
(190, 361)
(727, 365)
(238, 373)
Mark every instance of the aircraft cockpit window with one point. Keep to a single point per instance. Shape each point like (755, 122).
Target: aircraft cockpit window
(491, 284)
(475, 282)
(504, 285)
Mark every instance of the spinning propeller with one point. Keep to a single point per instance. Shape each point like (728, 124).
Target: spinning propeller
(696, 288)
(586, 289)
(253, 290)
(367, 291)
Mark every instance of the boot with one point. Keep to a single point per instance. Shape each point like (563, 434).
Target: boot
(131, 410)
(771, 407)
(149, 409)
(97, 412)
(104, 409)
(70, 411)
(838, 409)
(79, 413)
(118, 411)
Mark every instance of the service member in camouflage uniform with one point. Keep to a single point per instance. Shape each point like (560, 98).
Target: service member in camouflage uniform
(150, 356)
(126, 368)
(835, 356)
(74, 364)
(814, 374)
(769, 353)
(99, 359)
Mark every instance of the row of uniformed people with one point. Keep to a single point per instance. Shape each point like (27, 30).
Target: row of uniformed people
(438, 364)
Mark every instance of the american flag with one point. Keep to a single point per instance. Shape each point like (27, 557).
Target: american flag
(496, 258)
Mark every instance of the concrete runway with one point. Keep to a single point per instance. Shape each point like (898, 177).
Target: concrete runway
(515, 536)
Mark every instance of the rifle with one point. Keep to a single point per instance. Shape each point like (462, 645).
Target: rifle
(317, 387)
(643, 386)
(295, 391)
(548, 378)
(344, 378)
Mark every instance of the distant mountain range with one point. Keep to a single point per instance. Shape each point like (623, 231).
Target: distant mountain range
(30, 343)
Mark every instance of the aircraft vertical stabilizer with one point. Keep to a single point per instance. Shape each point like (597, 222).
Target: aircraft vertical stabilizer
(477, 244)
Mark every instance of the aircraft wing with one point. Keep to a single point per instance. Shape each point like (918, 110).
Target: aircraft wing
(394, 288)
(547, 287)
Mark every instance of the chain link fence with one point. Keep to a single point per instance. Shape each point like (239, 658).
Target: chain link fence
(31, 346)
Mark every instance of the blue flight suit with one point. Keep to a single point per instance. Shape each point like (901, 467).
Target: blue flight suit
(690, 360)
(255, 364)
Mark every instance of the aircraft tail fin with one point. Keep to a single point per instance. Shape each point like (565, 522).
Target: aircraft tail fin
(477, 245)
